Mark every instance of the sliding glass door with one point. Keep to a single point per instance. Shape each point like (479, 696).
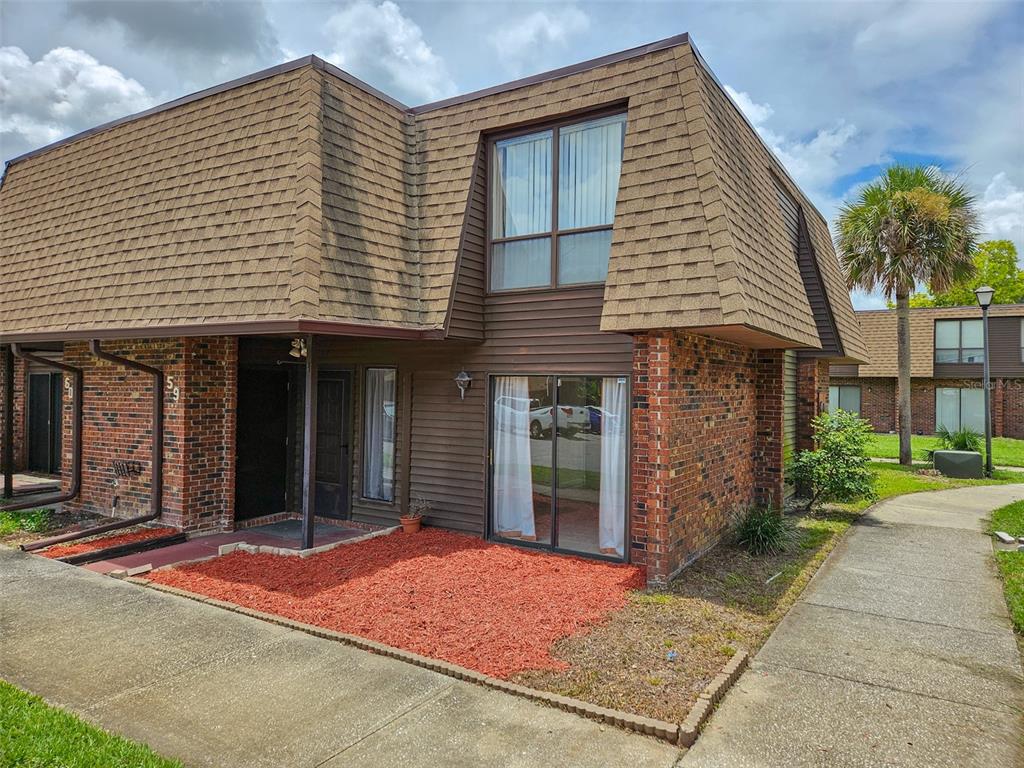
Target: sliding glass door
(559, 461)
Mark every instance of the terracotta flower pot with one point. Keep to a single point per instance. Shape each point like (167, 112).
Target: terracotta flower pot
(410, 524)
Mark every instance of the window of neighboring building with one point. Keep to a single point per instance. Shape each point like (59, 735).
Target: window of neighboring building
(552, 204)
(846, 397)
(379, 434)
(956, 408)
(959, 341)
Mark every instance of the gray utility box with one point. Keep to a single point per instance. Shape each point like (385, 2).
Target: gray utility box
(958, 463)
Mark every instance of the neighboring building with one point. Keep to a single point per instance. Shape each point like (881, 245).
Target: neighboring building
(565, 311)
(946, 363)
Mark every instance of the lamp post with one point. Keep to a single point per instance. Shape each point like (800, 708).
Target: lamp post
(985, 294)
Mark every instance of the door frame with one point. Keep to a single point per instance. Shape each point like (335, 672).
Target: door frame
(54, 409)
(489, 532)
(330, 372)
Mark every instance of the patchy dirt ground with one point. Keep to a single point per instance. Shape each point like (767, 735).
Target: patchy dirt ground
(57, 522)
(655, 655)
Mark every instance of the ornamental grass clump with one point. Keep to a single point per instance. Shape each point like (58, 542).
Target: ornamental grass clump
(963, 439)
(838, 467)
(765, 531)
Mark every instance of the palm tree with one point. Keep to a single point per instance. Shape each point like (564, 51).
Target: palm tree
(913, 225)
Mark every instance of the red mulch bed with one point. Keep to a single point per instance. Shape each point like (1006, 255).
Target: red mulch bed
(494, 608)
(78, 547)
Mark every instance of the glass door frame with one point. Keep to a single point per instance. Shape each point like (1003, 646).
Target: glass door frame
(489, 532)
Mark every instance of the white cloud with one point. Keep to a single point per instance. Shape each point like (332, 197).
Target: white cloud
(520, 43)
(1002, 211)
(379, 44)
(65, 91)
(813, 162)
(864, 300)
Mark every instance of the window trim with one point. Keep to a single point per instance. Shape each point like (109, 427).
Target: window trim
(491, 535)
(554, 233)
(960, 341)
(364, 443)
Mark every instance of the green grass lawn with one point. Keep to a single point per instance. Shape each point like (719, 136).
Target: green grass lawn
(35, 735)
(895, 480)
(1011, 564)
(1006, 452)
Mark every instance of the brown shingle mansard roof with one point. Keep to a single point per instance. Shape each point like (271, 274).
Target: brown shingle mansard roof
(879, 329)
(301, 195)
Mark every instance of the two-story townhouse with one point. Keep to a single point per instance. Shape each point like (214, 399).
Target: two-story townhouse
(582, 312)
(946, 366)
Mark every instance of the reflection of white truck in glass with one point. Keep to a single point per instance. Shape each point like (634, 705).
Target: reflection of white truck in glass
(571, 419)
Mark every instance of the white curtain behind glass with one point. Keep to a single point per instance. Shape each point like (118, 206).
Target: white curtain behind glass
(513, 482)
(972, 409)
(378, 453)
(522, 186)
(589, 161)
(613, 465)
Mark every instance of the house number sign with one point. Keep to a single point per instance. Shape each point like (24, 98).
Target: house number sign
(127, 468)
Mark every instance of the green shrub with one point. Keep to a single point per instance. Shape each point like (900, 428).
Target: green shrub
(963, 439)
(764, 531)
(837, 469)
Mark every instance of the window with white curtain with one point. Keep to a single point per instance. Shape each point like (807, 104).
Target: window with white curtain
(957, 408)
(379, 434)
(552, 204)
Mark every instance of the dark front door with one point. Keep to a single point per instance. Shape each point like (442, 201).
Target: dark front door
(333, 456)
(44, 422)
(262, 443)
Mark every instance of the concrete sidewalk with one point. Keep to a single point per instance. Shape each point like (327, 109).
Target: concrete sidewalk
(214, 688)
(899, 653)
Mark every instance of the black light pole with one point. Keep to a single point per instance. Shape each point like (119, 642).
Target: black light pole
(985, 294)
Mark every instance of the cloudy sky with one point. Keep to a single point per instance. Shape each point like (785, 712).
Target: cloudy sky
(838, 89)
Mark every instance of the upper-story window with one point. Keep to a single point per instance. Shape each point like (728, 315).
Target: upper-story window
(552, 203)
(959, 341)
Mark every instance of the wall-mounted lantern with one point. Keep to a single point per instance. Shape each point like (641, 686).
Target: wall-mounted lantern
(462, 381)
(298, 350)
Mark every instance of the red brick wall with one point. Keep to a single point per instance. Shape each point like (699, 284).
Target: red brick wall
(199, 407)
(768, 439)
(812, 380)
(695, 439)
(1010, 408)
(877, 400)
(20, 379)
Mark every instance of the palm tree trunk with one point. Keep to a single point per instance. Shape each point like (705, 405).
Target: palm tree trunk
(903, 373)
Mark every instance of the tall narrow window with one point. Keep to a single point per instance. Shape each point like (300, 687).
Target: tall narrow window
(379, 431)
(551, 220)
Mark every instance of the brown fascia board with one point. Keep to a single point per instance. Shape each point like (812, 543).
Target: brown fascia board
(242, 328)
(320, 64)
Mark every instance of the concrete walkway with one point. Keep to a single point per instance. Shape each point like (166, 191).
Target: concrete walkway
(213, 688)
(899, 653)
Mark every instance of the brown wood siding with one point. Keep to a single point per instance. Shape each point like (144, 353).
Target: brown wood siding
(467, 311)
(1004, 336)
(449, 450)
(556, 331)
(843, 370)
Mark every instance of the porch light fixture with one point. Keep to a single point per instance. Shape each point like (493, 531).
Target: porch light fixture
(462, 381)
(298, 350)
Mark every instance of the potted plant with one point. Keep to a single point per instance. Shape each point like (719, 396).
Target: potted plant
(412, 521)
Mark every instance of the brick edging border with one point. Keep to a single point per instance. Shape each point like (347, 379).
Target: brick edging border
(682, 735)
